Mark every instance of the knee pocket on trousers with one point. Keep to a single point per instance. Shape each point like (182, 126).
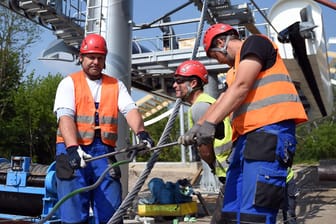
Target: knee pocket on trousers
(270, 188)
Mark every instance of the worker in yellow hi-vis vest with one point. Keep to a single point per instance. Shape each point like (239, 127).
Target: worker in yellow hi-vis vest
(190, 77)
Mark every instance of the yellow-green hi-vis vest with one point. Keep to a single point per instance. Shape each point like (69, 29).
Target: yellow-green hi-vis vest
(290, 174)
(222, 147)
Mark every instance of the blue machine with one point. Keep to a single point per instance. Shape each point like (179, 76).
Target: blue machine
(27, 190)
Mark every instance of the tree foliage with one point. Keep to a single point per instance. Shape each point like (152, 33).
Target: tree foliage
(16, 36)
(316, 140)
(32, 129)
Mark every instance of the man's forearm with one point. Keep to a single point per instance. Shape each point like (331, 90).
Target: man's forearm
(135, 121)
(68, 130)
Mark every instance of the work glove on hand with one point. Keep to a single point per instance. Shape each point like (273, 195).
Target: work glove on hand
(189, 137)
(145, 138)
(206, 133)
(77, 157)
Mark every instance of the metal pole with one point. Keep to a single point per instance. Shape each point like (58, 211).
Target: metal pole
(183, 159)
(118, 62)
(191, 152)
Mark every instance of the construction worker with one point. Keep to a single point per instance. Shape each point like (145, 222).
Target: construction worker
(87, 104)
(190, 78)
(292, 192)
(265, 108)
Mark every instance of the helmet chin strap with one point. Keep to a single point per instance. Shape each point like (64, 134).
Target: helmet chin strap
(189, 91)
(224, 49)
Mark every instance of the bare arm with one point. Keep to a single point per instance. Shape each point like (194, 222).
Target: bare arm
(230, 100)
(69, 130)
(135, 121)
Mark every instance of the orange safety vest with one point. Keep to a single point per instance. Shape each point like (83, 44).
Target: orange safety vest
(85, 110)
(273, 98)
(230, 76)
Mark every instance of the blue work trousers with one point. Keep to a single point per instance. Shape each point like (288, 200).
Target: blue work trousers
(256, 178)
(104, 200)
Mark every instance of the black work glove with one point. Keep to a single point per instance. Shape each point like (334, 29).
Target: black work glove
(144, 137)
(77, 157)
(206, 133)
(189, 137)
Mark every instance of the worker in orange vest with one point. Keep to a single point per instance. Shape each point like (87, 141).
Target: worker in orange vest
(87, 104)
(265, 108)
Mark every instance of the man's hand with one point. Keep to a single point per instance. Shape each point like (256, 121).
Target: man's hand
(206, 152)
(145, 138)
(189, 137)
(77, 157)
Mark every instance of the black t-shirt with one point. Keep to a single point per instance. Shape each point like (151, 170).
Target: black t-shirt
(261, 48)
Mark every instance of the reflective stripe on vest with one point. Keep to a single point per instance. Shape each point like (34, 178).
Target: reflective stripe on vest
(222, 147)
(85, 110)
(245, 107)
(272, 98)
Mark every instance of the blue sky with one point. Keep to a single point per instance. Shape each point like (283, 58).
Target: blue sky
(145, 11)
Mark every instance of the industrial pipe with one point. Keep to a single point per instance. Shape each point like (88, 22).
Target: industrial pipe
(327, 170)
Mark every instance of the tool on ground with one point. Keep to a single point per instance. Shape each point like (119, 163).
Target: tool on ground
(202, 201)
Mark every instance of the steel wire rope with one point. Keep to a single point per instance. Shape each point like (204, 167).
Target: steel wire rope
(264, 16)
(167, 14)
(126, 203)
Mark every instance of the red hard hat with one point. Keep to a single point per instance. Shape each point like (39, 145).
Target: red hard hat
(214, 30)
(93, 44)
(192, 68)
